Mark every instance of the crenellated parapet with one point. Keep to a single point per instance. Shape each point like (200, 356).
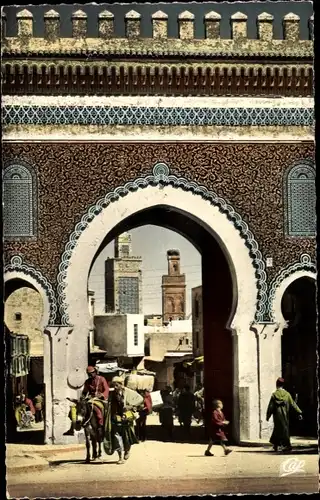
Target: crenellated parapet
(160, 43)
(147, 62)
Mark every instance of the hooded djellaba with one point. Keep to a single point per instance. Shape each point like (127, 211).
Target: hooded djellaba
(279, 407)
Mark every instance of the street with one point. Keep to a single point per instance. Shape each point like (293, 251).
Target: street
(160, 468)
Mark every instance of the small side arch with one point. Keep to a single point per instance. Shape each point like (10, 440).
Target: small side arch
(304, 268)
(16, 269)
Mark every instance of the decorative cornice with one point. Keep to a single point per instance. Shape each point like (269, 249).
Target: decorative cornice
(144, 48)
(16, 265)
(305, 264)
(161, 177)
(87, 77)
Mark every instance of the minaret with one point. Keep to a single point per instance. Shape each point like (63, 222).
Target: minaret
(123, 279)
(173, 289)
(123, 246)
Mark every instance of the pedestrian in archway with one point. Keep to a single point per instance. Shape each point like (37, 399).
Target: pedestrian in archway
(279, 407)
(175, 396)
(186, 408)
(166, 414)
(143, 413)
(199, 404)
(217, 429)
(38, 404)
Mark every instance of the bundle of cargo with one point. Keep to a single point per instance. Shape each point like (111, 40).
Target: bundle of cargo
(111, 370)
(156, 400)
(140, 381)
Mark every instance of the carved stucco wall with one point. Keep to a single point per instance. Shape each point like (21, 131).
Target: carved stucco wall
(73, 176)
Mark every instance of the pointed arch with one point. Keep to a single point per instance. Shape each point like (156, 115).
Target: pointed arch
(163, 187)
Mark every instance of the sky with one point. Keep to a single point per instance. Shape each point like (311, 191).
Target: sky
(151, 243)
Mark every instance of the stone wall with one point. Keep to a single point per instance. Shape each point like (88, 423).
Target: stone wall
(23, 312)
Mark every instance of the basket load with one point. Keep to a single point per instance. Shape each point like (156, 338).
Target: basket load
(140, 381)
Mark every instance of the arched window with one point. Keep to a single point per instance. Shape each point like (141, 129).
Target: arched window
(19, 201)
(301, 200)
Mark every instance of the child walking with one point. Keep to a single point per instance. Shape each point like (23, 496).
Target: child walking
(218, 422)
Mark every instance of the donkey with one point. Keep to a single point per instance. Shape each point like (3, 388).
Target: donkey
(86, 418)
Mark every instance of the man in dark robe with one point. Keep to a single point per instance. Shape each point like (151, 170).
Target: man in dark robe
(279, 407)
(166, 414)
(186, 407)
(96, 387)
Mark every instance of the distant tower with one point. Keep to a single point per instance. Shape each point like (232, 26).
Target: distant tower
(122, 246)
(123, 279)
(173, 289)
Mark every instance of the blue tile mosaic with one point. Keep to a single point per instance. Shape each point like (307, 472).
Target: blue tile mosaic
(130, 115)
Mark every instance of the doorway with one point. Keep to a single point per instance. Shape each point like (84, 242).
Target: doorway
(23, 312)
(218, 294)
(299, 358)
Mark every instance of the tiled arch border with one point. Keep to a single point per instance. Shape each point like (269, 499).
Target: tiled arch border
(305, 264)
(16, 265)
(161, 177)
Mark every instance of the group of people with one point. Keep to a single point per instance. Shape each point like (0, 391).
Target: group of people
(125, 407)
(182, 404)
(186, 405)
(28, 411)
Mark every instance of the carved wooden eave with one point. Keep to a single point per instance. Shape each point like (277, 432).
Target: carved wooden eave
(134, 78)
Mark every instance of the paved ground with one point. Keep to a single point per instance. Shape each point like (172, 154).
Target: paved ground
(156, 468)
(173, 487)
(160, 468)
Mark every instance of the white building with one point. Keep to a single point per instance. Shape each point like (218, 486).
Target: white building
(120, 334)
